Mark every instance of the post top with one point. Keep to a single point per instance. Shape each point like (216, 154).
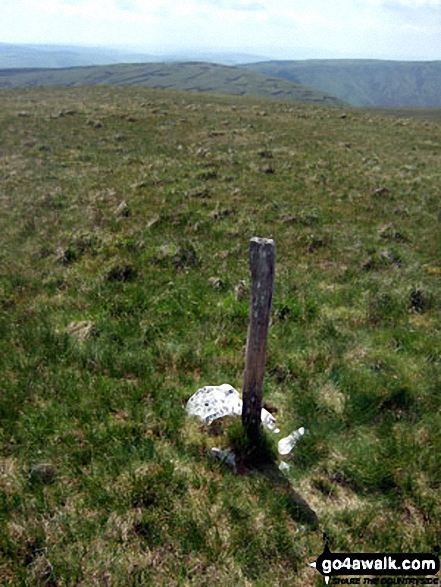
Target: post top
(262, 241)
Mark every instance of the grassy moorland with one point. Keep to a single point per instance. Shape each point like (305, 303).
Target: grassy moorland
(125, 220)
(196, 77)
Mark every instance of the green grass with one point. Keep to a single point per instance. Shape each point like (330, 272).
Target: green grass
(103, 479)
(195, 77)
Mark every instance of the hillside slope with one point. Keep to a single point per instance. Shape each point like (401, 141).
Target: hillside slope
(200, 77)
(365, 82)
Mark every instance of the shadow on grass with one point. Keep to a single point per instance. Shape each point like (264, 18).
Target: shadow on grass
(258, 459)
(297, 507)
(261, 459)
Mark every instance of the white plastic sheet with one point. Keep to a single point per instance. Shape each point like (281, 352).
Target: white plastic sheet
(216, 401)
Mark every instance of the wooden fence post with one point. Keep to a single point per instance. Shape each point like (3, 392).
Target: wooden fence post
(262, 265)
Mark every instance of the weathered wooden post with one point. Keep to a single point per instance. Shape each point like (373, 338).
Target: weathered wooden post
(262, 265)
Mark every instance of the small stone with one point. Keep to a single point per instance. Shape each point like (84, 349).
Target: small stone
(241, 290)
(381, 191)
(43, 473)
(216, 282)
(268, 170)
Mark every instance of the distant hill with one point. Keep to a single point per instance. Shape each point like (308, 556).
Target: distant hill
(200, 77)
(207, 56)
(13, 56)
(415, 84)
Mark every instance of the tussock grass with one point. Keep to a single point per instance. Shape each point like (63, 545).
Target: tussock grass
(110, 321)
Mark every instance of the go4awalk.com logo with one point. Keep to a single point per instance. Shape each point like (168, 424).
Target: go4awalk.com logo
(331, 564)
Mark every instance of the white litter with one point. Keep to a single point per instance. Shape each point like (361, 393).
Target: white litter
(285, 445)
(283, 466)
(269, 421)
(216, 401)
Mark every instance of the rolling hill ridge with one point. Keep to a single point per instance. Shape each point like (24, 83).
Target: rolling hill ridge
(13, 56)
(200, 77)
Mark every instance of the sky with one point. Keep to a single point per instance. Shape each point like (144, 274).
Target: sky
(279, 29)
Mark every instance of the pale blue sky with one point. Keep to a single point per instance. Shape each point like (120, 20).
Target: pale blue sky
(397, 29)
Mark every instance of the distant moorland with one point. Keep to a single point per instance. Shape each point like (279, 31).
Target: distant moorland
(198, 77)
(365, 82)
(13, 56)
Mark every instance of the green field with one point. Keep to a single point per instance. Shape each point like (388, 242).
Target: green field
(125, 219)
